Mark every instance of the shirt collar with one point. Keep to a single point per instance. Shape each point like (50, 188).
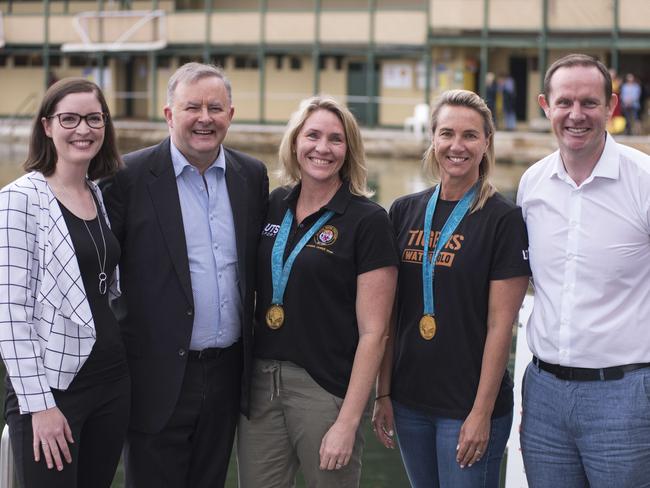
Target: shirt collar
(607, 165)
(180, 162)
(338, 203)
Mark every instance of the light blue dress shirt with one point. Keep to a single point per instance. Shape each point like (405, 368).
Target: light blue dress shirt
(211, 250)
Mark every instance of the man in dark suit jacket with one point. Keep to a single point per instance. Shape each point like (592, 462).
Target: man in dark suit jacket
(188, 214)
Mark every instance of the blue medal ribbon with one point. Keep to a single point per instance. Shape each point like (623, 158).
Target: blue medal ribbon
(279, 271)
(428, 265)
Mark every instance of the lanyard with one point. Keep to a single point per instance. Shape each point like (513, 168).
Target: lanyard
(279, 271)
(428, 265)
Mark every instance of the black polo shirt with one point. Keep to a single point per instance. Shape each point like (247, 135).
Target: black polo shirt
(320, 330)
(441, 375)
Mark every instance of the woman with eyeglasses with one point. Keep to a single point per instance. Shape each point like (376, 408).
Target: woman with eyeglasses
(68, 388)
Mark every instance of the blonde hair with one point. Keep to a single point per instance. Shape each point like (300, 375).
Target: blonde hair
(465, 98)
(354, 166)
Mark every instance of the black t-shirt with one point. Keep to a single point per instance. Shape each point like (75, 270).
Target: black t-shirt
(107, 360)
(320, 329)
(441, 375)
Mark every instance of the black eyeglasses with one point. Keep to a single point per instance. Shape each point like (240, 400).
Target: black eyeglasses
(71, 120)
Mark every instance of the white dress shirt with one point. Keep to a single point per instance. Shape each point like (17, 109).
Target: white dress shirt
(590, 257)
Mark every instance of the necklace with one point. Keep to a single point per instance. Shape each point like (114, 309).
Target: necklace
(100, 261)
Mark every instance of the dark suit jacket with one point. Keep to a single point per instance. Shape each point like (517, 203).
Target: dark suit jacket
(156, 309)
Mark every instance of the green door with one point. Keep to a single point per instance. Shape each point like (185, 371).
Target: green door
(361, 103)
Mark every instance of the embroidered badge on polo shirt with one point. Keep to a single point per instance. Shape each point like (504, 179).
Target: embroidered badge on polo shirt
(326, 236)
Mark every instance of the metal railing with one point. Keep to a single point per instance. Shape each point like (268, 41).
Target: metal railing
(6, 460)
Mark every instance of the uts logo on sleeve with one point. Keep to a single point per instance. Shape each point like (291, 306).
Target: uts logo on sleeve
(326, 236)
(270, 230)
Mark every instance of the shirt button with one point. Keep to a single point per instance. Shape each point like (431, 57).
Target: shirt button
(182, 352)
(570, 255)
(189, 311)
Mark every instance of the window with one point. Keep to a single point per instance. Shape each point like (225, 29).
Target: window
(27, 60)
(401, 4)
(295, 63)
(21, 60)
(219, 60)
(189, 59)
(80, 61)
(246, 62)
(164, 61)
(290, 4)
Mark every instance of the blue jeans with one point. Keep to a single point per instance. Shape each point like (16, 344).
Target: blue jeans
(577, 434)
(428, 446)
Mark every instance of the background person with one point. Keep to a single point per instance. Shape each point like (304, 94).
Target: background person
(443, 383)
(509, 103)
(67, 384)
(319, 340)
(631, 102)
(587, 208)
(188, 213)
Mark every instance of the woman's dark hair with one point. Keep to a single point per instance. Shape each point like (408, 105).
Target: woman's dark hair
(42, 155)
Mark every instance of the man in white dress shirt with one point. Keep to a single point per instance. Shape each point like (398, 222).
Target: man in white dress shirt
(586, 395)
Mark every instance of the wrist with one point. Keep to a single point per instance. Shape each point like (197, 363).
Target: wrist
(349, 423)
(482, 411)
(385, 395)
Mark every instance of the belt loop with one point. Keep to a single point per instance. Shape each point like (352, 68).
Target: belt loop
(536, 362)
(601, 372)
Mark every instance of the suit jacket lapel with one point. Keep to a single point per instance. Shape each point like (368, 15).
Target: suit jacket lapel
(164, 195)
(237, 190)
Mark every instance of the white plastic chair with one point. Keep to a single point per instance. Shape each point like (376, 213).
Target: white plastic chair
(419, 122)
(6, 460)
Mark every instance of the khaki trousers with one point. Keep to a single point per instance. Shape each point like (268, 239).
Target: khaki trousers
(290, 414)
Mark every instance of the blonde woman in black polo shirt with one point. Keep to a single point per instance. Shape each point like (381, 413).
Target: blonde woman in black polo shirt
(443, 384)
(326, 283)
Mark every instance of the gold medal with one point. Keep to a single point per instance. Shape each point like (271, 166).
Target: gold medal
(427, 327)
(275, 316)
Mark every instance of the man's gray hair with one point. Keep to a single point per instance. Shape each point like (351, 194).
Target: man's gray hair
(192, 72)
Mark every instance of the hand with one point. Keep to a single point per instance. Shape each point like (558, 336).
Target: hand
(336, 446)
(473, 439)
(51, 434)
(382, 422)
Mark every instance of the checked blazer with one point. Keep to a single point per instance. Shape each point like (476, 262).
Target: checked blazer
(46, 325)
